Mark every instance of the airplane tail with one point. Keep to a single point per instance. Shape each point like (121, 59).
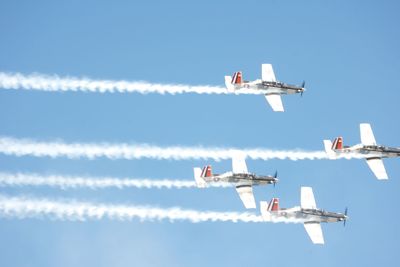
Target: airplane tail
(230, 82)
(200, 182)
(237, 78)
(206, 172)
(273, 205)
(337, 143)
(267, 208)
(328, 149)
(199, 175)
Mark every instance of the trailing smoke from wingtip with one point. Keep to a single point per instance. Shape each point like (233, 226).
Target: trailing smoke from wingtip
(65, 182)
(54, 83)
(22, 208)
(28, 147)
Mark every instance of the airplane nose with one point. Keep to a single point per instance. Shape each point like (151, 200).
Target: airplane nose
(344, 219)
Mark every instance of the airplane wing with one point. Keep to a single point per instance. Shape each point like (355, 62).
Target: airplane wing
(239, 164)
(377, 167)
(246, 195)
(267, 73)
(314, 231)
(367, 136)
(307, 198)
(275, 101)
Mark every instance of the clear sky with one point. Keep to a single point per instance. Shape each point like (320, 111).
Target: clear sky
(348, 53)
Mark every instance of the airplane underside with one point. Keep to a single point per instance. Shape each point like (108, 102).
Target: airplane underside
(267, 90)
(374, 152)
(239, 180)
(307, 217)
(382, 152)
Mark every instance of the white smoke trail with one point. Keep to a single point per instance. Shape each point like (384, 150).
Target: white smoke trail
(51, 83)
(25, 179)
(27, 147)
(20, 207)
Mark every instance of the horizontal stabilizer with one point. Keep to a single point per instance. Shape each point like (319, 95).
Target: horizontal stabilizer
(328, 149)
(275, 102)
(265, 214)
(228, 84)
(200, 182)
(377, 167)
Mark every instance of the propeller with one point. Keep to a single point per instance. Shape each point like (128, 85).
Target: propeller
(275, 176)
(345, 219)
(302, 86)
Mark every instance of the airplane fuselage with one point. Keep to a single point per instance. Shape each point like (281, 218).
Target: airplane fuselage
(308, 215)
(371, 151)
(270, 87)
(238, 178)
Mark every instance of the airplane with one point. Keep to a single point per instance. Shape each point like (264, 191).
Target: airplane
(368, 149)
(239, 176)
(307, 213)
(268, 85)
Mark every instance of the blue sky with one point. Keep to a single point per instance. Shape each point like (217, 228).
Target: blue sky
(346, 51)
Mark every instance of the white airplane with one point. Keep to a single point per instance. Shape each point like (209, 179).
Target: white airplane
(368, 148)
(307, 213)
(268, 85)
(239, 176)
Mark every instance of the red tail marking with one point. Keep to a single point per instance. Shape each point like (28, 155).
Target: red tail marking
(274, 205)
(237, 78)
(338, 143)
(206, 172)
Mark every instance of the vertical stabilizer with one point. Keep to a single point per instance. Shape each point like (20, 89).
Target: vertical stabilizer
(206, 172)
(237, 78)
(273, 205)
(337, 143)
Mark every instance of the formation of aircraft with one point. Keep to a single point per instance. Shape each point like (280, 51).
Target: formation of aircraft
(307, 213)
(268, 85)
(368, 148)
(239, 176)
